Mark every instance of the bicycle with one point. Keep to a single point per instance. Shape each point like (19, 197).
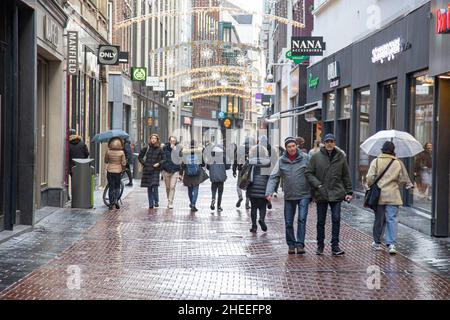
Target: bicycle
(106, 191)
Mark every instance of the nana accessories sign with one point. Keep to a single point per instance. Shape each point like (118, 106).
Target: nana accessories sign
(389, 51)
(307, 46)
(108, 55)
(443, 20)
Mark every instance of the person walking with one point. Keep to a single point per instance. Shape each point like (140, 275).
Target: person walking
(129, 157)
(240, 158)
(171, 171)
(192, 172)
(291, 167)
(77, 149)
(329, 175)
(259, 160)
(150, 157)
(115, 161)
(390, 200)
(217, 167)
(301, 144)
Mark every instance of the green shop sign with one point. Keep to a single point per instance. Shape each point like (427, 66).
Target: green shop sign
(139, 74)
(313, 82)
(296, 59)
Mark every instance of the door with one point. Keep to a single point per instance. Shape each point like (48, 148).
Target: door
(389, 96)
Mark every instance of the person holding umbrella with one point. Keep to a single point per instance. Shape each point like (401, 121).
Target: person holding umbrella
(150, 157)
(390, 197)
(115, 163)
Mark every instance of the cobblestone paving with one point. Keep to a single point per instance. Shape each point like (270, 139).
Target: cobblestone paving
(136, 253)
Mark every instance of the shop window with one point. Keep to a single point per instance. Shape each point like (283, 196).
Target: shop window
(346, 104)
(422, 98)
(363, 132)
(330, 106)
(390, 104)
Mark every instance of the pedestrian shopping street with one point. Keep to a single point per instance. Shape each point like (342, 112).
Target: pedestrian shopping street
(137, 253)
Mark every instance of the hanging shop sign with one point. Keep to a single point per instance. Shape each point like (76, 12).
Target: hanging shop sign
(72, 52)
(313, 82)
(269, 89)
(124, 57)
(334, 74)
(161, 87)
(296, 59)
(138, 73)
(169, 94)
(307, 46)
(443, 20)
(389, 51)
(221, 115)
(152, 82)
(108, 55)
(266, 101)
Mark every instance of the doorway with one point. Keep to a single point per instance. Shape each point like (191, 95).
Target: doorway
(389, 100)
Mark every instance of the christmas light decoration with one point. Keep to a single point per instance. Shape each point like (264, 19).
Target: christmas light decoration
(221, 94)
(207, 54)
(223, 69)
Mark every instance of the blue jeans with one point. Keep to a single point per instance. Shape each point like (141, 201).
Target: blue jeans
(193, 194)
(290, 207)
(153, 196)
(322, 208)
(385, 217)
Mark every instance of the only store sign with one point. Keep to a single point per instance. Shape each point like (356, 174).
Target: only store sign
(139, 74)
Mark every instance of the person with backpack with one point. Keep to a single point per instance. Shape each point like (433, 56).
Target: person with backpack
(256, 191)
(115, 163)
(217, 166)
(393, 174)
(192, 172)
(150, 157)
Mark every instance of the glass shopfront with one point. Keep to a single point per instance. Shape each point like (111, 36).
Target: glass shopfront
(389, 95)
(345, 109)
(330, 109)
(422, 101)
(363, 132)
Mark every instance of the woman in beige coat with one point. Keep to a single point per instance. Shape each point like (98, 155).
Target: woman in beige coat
(390, 197)
(115, 163)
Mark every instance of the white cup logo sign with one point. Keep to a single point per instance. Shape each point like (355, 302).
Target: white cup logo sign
(108, 55)
(388, 51)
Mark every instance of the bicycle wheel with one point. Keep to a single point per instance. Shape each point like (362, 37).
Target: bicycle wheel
(122, 187)
(106, 196)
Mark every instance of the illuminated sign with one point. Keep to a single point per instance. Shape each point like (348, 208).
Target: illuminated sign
(389, 51)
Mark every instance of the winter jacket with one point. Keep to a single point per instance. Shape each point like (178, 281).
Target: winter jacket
(390, 183)
(150, 175)
(218, 166)
(296, 186)
(196, 180)
(168, 164)
(331, 173)
(115, 160)
(128, 152)
(257, 189)
(77, 149)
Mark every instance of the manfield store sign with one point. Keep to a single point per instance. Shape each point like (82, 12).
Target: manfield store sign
(307, 46)
(72, 52)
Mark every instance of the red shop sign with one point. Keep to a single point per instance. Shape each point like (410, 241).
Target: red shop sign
(443, 20)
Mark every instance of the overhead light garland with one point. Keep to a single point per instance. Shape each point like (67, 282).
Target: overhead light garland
(223, 69)
(217, 89)
(203, 11)
(220, 94)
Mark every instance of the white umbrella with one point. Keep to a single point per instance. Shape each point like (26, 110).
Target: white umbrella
(405, 144)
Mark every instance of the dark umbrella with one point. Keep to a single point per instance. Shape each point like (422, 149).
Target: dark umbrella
(107, 135)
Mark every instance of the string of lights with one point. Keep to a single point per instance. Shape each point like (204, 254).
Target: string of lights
(213, 43)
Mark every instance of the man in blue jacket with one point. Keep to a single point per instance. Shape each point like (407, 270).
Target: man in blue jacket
(291, 167)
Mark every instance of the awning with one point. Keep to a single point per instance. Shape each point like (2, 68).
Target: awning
(311, 107)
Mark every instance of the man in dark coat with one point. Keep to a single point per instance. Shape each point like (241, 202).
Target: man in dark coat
(129, 157)
(77, 149)
(150, 157)
(328, 173)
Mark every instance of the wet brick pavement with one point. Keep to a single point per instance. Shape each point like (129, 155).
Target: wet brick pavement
(134, 253)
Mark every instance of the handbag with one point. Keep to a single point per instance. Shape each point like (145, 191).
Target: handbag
(373, 193)
(246, 176)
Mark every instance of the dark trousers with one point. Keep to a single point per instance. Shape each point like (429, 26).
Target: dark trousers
(193, 194)
(114, 186)
(258, 204)
(322, 208)
(128, 171)
(153, 196)
(214, 187)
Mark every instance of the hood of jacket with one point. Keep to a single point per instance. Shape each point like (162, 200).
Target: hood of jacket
(74, 139)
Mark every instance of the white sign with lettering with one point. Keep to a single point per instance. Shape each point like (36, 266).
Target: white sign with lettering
(388, 51)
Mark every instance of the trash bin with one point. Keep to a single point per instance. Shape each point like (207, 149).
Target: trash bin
(83, 184)
(137, 167)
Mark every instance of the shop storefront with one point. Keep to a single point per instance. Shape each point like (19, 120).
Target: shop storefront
(383, 82)
(439, 111)
(17, 113)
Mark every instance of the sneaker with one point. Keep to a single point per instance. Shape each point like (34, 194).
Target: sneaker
(275, 195)
(219, 209)
(376, 246)
(156, 205)
(247, 205)
(111, 207)
(253, 229)
(337, 251)
(392, 249)
(117, 206)
(170, 206)
(194, 209)
(150, 207)
(238, 204)
(213, 205)
(269, 206)
(129, 184)
(291, 251)
(301, 250)
(263, 225)
(319, 250)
